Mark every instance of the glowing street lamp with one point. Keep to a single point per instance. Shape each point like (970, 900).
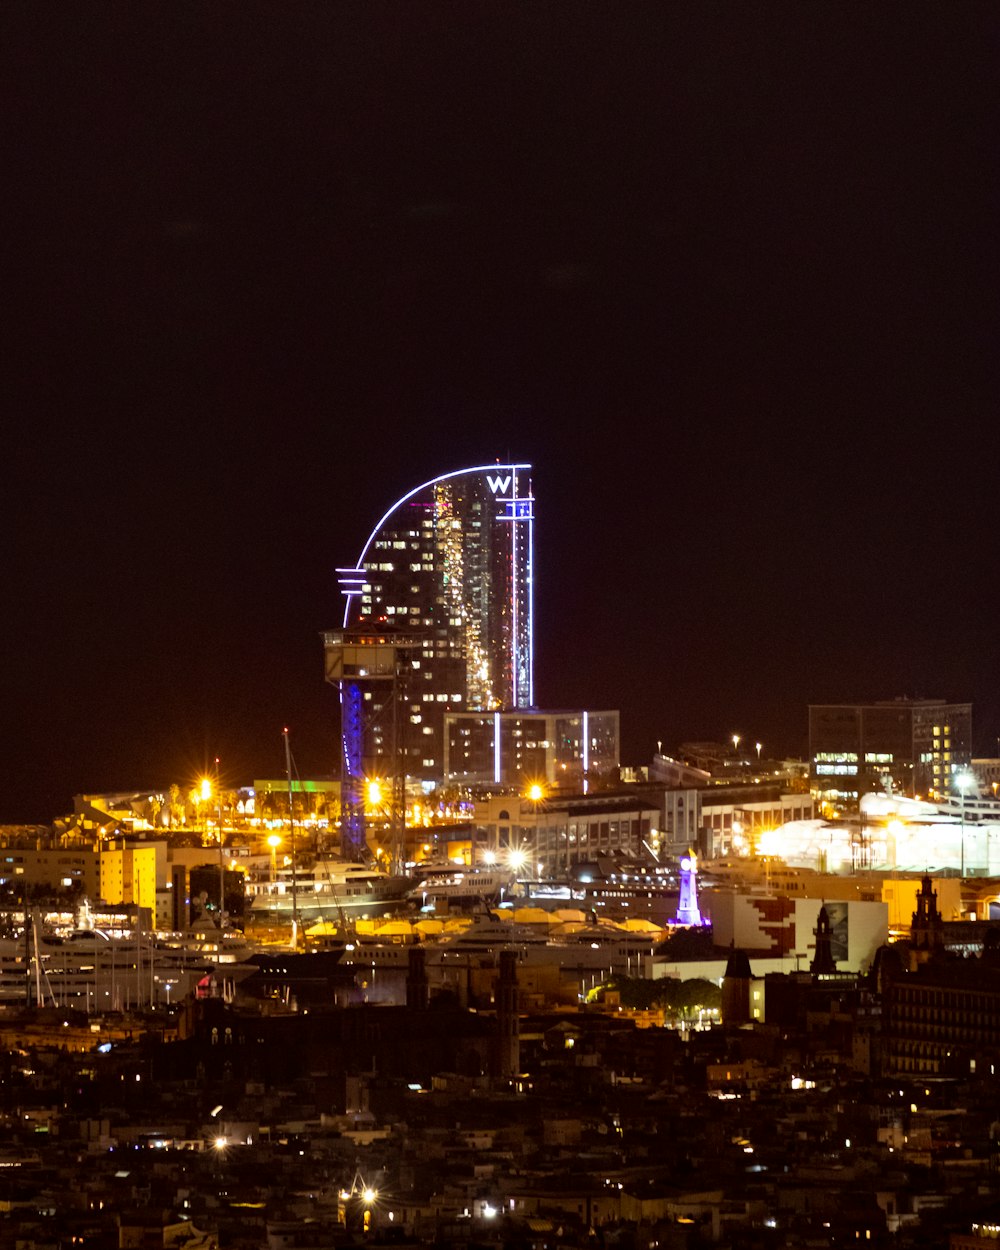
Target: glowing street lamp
(274, 841)
(205, 795)
(535, 793)
(516, 858)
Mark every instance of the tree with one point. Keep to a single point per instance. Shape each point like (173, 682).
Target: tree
(175, 809)
(682, 999)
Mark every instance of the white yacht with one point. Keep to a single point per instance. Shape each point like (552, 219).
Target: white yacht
(99, 970)
(453, 885)
(328, 889)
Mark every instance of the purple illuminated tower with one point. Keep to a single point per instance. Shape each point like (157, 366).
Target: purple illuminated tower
(687, 904)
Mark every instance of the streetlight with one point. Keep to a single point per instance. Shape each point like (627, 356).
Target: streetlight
(758, 745)
(736, 743)
(206, 795)
(274, 841)
(535, 793)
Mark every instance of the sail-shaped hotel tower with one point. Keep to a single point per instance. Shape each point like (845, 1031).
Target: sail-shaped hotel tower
(438, 618)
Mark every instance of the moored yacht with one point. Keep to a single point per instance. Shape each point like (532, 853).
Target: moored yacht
(326, 890)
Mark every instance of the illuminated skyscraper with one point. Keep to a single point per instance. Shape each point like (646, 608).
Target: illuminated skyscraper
(449, 565)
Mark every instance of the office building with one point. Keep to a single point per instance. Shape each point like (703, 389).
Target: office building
(565, 750)
(563, 831)
(919, 745)
(727, 819)
(115, 872)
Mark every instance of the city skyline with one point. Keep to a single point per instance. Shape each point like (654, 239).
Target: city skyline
(718, 286)
(726, 280)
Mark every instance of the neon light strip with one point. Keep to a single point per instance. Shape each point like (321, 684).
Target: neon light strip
(480, 468)
(352, 582)
(496, 748)
(514, 580)
(586, 749)
(531, 599)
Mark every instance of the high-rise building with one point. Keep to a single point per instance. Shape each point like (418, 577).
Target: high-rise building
(449, 566)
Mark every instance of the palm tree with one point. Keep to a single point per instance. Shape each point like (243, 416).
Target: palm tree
(174, 805)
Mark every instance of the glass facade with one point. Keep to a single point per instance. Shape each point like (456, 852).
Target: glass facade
(451, 565)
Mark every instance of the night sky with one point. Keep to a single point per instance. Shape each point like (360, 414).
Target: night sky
(726, 274)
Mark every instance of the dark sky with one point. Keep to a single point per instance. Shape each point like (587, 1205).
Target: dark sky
(726, 274)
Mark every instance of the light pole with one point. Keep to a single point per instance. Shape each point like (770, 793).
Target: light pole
(274, 841)
(291, 841)
(204, 796)
(963, 780)
(535, 794)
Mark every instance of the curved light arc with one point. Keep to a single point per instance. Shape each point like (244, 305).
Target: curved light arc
(442, 477)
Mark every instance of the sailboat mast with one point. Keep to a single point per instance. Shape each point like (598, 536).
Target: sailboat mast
(291, 840)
